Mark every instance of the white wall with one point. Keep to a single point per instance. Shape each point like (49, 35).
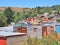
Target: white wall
(33, 34)
(16, 40)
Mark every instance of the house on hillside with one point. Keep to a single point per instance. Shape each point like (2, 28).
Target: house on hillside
(45, 19)
(47, 27)
(33, 20)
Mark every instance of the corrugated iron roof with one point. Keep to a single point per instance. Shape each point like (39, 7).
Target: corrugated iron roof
(10, 33)
(9, 28)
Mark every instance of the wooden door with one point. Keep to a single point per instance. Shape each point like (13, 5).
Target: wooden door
(44, 31)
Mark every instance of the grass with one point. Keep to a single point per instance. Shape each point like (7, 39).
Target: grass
(44, 41)
(47, 40)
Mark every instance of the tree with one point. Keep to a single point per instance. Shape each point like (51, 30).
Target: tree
(58, 20)
(9, 14)
(2, 20)
(38, 9)
(18, 16)
(27, 14)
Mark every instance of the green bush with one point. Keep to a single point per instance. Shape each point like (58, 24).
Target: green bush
(58, 20)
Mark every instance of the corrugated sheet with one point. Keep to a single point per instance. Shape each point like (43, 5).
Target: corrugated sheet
(10, 33)
(9, 28)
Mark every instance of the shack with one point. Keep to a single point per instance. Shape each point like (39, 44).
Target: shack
(21, 27)
(47, 27)
(34, 31)
(12, 38)
(57, 27)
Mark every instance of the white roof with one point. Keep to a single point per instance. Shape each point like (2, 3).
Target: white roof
(48, 24)
(10, 33)
(9, 28)
(57, 24)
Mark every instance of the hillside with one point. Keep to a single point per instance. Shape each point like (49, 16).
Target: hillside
(16, 9)
(39, 9)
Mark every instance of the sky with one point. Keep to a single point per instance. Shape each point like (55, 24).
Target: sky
(28, 3)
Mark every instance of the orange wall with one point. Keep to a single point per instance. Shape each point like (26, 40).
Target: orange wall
(46, 30)
(2, 41)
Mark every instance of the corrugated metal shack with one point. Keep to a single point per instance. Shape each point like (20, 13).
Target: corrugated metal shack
(12, 38)
(34, 31)
(47, 27)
